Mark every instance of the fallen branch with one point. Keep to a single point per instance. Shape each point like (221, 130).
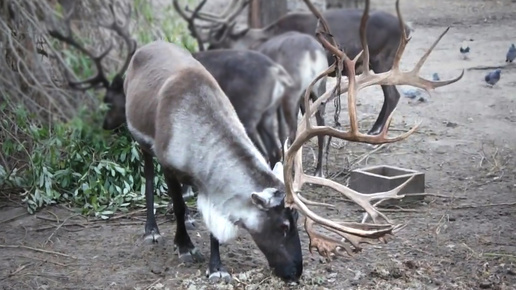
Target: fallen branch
(44, 260)
(58, 227)
(125, 215)
(47, 219)
(366, 155)
(67, 225)
(19, 269)
(136, 223)
(499, 255)
(14, 217)
(152, 284)
(399, 210)
(484, 205)
(491, 67)
(37, 250)
(358, 160)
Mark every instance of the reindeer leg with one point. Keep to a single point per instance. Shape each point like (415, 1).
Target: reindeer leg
(390, 94)
(257, 141)
(216, 271)
(319, 117)
(266, 128)
(391, 98)
(187, 251)
(152, 234)
(282, 126)
(188, 193)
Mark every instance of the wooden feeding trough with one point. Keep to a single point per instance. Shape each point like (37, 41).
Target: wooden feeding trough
(384, 178)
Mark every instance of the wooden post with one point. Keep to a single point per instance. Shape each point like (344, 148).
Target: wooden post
(263, 12)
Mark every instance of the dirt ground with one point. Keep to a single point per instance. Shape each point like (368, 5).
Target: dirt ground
(460, 237)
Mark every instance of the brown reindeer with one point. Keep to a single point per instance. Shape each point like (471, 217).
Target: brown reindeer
(383, 35)
(252, 78)
(301, 55)
(177, 112)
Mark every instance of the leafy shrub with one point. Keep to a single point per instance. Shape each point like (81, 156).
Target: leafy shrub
(79, 163)
(55, 158)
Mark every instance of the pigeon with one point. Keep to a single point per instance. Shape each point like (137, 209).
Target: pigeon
(435, 77)
(493, 77)
(511, 54)
(464, 50)
(413, 93)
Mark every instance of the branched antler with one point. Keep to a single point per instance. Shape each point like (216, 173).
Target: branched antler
(68, 37)
(190, 20)
(218, 26)
(353, 234)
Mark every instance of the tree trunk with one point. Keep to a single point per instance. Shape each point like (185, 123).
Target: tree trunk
(343, 4)
(264, 12)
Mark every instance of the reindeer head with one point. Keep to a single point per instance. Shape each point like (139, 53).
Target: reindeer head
(115, 96)
(278, 236)
(115, 99)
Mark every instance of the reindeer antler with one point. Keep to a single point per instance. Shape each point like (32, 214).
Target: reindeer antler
(222, 24)
(353, 234)
(68, 37)
(123, 31)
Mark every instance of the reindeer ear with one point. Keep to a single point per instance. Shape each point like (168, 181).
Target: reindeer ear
(260, 201)
(269, 197)
(278, 171)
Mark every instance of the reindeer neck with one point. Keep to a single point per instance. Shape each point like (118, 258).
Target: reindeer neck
(235, 171)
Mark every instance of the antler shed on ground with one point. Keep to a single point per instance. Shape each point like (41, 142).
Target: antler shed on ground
(352, 234)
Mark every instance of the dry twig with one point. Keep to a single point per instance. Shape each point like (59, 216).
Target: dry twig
(152, 284)
(58, 227)
(484, 205)
(37, 250)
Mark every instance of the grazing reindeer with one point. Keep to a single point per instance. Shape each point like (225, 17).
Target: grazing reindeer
(303, 57)
(383, 39)
(177, 112)
(241, 73)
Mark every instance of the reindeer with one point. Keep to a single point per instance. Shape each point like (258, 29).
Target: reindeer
(168, 95)
(232, 172)
(255, 85)
(303, 57)
(383, 35)
(116, 113)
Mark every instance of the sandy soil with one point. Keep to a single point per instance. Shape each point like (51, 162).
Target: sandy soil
(462, 237)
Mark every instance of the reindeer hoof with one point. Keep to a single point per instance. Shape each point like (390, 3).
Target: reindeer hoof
(218, 276)
(192, 256)
(153, 238)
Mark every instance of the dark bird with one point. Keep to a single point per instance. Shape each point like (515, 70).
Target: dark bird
(493, 77)
(511, 54)
(464, 50)
(413, 93)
